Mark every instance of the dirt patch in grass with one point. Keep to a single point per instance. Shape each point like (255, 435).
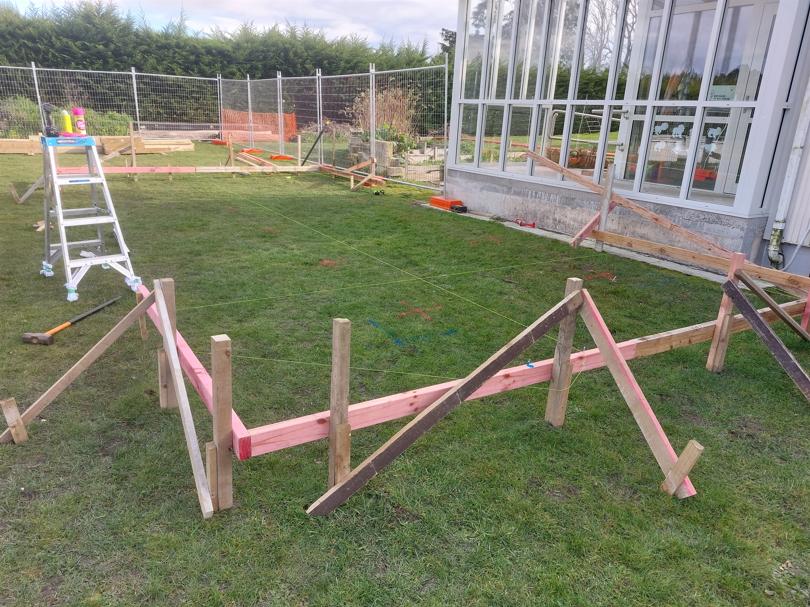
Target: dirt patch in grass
(564, 493)
(50, 590)
(327, 263)
(270, 230)
(747, 428)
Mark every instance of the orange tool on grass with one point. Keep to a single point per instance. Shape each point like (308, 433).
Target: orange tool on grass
(46, 339)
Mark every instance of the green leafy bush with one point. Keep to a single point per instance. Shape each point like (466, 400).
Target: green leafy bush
(19, 117)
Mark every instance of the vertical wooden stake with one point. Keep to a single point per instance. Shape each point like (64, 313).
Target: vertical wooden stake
(142, 320)
(722, 327)
(604, 210)
(15, 423)
(806, 315)
(230, 151)
(339, 429)
(222, 386)
(298, 144)
(132, 150)
(168, 397)
(557, 402)
(212, 472)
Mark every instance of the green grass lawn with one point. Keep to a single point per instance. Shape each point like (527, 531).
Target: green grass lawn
(492, 507)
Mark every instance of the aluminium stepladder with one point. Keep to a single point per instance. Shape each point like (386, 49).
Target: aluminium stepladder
(101, 214)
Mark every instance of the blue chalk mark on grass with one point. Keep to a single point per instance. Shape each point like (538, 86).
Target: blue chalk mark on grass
(412, 340)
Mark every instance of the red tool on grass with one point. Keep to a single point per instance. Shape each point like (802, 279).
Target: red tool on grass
(46, 339)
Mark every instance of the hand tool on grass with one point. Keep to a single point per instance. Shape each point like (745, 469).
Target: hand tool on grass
(46, 339)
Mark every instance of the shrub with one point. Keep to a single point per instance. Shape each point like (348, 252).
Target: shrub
(19, 118)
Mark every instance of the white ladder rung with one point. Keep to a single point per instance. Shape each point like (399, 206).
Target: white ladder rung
(79, 243)
(88, 221)
(78, 180)
(97, 260)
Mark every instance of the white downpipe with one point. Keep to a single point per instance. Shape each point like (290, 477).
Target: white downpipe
(789, 183)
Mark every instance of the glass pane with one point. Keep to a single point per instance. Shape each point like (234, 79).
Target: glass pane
(531, 34)
(586, 122)
(646, 58)
(501, 47)
(624, 140)
(520, 122)
(474, 48)
(741, 51)
(550, 125)
(685, 52)
(491, 140)
(466, 141)
(667, 151)
(560, 49)
(720, 154)
(597, 48)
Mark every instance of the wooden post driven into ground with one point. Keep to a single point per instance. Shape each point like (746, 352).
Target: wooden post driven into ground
(428, 418)
(717, 351)
(557, 402)
(13, 420)
(167, 395)
(340, 432)
(222, 388)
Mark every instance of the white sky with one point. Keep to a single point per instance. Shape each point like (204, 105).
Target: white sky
(375, 20)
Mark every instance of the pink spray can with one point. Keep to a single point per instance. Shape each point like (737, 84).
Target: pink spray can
(79, 126)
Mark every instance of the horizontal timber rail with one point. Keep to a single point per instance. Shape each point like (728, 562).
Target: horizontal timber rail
(309, 428)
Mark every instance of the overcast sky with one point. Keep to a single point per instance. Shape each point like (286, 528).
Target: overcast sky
(375, 20)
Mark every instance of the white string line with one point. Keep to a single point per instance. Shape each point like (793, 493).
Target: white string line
(363, 286)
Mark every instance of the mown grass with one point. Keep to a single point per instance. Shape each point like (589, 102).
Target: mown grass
(492, 507)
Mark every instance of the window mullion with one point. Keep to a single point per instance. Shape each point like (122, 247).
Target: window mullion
(538, 84)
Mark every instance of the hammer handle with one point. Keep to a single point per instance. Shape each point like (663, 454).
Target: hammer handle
(61, 327)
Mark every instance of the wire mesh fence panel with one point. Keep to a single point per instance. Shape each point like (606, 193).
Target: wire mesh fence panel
(107, 98)
(236, 124)
(267, 132)
(346, 111)
(300, 100)
(177, 106)
(410, 119)
(19, 113)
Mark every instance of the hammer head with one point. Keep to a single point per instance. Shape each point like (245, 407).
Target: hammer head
(40, 339)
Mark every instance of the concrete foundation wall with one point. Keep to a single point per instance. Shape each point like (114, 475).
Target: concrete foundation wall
(566, 210)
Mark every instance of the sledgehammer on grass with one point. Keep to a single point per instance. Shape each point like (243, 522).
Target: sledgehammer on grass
(46, 339)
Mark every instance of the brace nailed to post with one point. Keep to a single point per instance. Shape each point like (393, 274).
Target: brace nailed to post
(557, 402)
(717, 351)
(167, 396)
(222, 387)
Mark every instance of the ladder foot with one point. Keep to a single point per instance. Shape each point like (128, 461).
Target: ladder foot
(72, 294)
(133, 283)
(46, 270)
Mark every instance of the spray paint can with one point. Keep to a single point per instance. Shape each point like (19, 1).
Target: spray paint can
(79, 126)
(67, 124)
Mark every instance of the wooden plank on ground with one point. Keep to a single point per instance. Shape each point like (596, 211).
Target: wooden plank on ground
(780, 352)
(639, 406)
(83, 363)
(13, 420)
(428, 418)
(772, 304)
(315, 426)
(187, 421)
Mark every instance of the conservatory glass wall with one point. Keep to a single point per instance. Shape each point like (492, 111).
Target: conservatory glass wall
(665, 91)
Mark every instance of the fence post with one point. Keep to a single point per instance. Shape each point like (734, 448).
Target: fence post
(319, 105)
(372, 111)
(250, 114)
(135, 95)
(445, 125)
(39, 98)
(280, 110)
(219, 106)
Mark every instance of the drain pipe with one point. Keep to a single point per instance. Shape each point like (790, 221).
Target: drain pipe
(789, 185)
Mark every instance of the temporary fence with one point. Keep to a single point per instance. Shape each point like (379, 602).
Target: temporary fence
(399, 117)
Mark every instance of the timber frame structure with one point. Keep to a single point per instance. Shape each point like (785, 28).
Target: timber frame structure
(232, 439)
